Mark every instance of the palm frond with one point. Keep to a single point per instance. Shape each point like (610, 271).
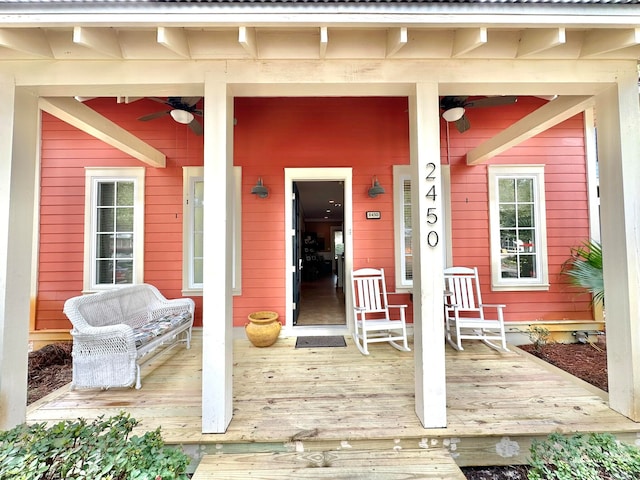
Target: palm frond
(584, 269)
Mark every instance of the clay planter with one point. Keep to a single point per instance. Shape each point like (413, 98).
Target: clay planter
(263, 328)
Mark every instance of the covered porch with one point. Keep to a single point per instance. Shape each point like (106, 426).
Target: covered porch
(335, 399)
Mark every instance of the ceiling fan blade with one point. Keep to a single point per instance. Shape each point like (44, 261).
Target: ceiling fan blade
(190, 101)
(159, 100)
(463, 124)
(151, 116)
(196, 127)
(491, 101)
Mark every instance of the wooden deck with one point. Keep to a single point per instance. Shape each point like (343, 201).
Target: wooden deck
(335, 399)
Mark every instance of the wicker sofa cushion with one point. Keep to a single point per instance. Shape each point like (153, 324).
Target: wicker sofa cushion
(145, 333)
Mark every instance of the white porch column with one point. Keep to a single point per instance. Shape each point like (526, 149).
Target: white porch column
(19, 127)
(217, 320)
(428, 235)
(618, 120)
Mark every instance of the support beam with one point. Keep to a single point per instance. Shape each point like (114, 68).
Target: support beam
(538, 40)
(468, 39)
(217, 319)
(103, 40)
(29, 40)
(89, 121)
(554, 112)
(19, 141)
(324, 41)
(396, 39)
(428, 285)
(247, 38)
(618, 117)
(174, 39)
(598, 42)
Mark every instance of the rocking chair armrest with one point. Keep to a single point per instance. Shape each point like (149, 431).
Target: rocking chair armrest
(397, 306)
(493, 305)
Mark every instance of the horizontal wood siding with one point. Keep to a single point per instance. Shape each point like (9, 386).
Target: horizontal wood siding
(369, 135)
(561, 151)
(66, 152)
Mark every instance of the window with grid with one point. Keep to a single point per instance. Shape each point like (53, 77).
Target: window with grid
(115, 224)
(518, 230)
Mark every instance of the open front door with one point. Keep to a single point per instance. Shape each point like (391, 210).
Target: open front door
(296, 235)
(302, 267)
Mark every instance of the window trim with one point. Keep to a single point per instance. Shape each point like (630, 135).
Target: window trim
(94, 175)
(189, 175)
(536, 172)
(400, 174)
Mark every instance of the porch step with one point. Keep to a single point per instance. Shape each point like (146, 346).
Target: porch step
(435, 464)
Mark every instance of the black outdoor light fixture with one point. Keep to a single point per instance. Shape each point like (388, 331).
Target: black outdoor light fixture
(260, 190)
(376, 189)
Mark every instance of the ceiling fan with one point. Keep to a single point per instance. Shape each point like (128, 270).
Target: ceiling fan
(182, 110)
(454, 108)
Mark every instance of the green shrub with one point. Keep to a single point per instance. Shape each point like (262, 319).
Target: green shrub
(100, 450)
(583, 457)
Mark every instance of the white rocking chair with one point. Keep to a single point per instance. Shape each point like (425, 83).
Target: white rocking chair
(372, 322)
(464, 311)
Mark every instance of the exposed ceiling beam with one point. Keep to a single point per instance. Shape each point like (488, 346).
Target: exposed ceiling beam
(247, 38)
(324, 41)
(396, 39)
(598, 42)
(538, 40)
(88, 120)
(468, 39)
(29, 40)
(538, 121)
(174, 39)
(103, 40)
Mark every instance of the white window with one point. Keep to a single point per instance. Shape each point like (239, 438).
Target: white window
(402, 225)
(193, 227)
(518, 227)
(114, 226)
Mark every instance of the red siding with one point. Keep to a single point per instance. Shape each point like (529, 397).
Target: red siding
(370, 135)
(561, 151)
(65, 153)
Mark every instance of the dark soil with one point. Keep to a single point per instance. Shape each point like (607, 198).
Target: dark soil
(50, 369)
(587, 361)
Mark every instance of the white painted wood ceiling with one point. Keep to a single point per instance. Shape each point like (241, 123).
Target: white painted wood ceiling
(274, 42)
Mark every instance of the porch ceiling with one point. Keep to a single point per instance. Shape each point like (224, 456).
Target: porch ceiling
(83, 40)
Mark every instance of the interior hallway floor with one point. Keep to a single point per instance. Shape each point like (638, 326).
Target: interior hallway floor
(321, 303)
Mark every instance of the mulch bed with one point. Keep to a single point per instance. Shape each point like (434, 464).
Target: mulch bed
(587, 361)
(49, 369)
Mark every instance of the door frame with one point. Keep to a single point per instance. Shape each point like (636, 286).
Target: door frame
(341, 174)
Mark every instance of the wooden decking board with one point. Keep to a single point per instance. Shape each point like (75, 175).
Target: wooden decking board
(371, 465)
(344, 396)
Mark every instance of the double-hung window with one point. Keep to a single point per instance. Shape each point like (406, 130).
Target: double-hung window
(518, 227)
(403, 230)
(193, 228)
(114, 216)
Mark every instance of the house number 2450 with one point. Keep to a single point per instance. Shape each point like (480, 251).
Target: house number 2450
(432, 218)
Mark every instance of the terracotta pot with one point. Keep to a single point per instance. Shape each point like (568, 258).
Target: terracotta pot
(263, 328)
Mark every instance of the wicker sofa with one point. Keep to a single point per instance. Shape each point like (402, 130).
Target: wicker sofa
(116, 331)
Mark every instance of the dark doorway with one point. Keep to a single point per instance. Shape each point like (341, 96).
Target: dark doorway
(318, 292)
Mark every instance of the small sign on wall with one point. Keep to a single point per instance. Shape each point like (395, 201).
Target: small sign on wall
(373, 215)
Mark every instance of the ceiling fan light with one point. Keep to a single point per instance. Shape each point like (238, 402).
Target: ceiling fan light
(182, 116)
(453, 114)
